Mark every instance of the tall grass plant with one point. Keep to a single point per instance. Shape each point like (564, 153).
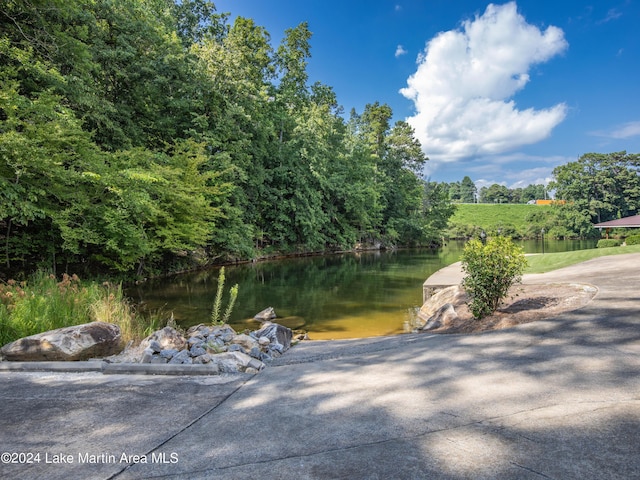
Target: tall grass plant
(43, 302)
(216, 319)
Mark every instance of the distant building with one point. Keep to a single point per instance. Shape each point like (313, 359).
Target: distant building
(548, 202)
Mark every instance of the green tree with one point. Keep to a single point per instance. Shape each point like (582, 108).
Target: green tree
(468, 190)
(196, 20)
(533, 192)
(437, 209)
(236, 121)
(569, 221)
(605, 185)
(402, 186)
(490, 271)
(454, 191)
(44, 154)
(494, 194)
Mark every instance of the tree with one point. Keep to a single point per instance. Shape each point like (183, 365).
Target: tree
(375, 126)
(569, 221)
(494, 194)
(490, 271)
(454, 192)
(195, 21)
(605, 185)
(533, 192)
(468, 190)
(402, 188)
(436, 210)
(236, 121)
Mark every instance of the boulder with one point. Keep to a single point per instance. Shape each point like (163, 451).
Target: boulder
(168, 354)
(167, 338)
(454, 295)
(265, 315)
(234, 362)
(245, 341)
(200, 330)
(443, 316)
(147, 355)
(225, 333)
(181, 357)
(279, 336)
(196, 351)
(80, 342)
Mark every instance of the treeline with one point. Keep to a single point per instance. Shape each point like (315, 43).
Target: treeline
(465, 191)
(147, 135)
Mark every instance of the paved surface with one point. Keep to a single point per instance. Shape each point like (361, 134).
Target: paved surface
(555, 399)
(453, 275)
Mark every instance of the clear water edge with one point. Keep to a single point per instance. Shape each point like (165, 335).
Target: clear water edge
(349, 295)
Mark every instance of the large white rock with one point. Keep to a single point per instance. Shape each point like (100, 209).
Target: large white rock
(454, 295)
(279, 336)
(443, 316)
(80, 342)
(265, 315)
(167, 338)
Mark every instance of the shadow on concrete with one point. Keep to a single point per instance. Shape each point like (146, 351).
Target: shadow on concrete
(555, 399)
(57, 415)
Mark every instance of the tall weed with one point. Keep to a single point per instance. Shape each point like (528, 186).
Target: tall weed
(217, 304)
(43, 303)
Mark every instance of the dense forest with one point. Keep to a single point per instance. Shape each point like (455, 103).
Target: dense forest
(146, 136)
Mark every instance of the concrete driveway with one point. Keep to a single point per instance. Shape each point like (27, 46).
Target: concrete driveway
(555, 399)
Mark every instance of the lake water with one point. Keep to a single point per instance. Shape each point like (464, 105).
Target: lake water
(351, 295)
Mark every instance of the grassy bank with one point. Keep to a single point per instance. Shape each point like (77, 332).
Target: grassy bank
(510, 219)
(553, 261)
(44, 302)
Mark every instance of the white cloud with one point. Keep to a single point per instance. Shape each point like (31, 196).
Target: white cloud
(400, 51)
(465, 79)
(627, 130)
(612, 14)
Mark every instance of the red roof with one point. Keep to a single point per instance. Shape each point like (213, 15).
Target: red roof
(632, 221)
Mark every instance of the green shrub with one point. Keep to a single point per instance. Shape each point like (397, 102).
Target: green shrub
(633, 240)
(490, 270)
(608, 242)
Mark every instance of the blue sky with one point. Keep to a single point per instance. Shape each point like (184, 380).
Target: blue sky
(500, 92)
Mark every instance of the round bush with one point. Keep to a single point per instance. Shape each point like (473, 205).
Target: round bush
(490, 270)
(608, 242)
(633, 240)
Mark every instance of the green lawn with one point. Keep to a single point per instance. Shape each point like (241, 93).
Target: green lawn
(553, 261)
(491, 216)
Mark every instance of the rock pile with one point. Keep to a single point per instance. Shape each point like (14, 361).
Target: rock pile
(218, 345)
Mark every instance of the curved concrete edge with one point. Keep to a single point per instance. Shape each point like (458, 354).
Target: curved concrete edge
(110, 368)
(443, 278)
